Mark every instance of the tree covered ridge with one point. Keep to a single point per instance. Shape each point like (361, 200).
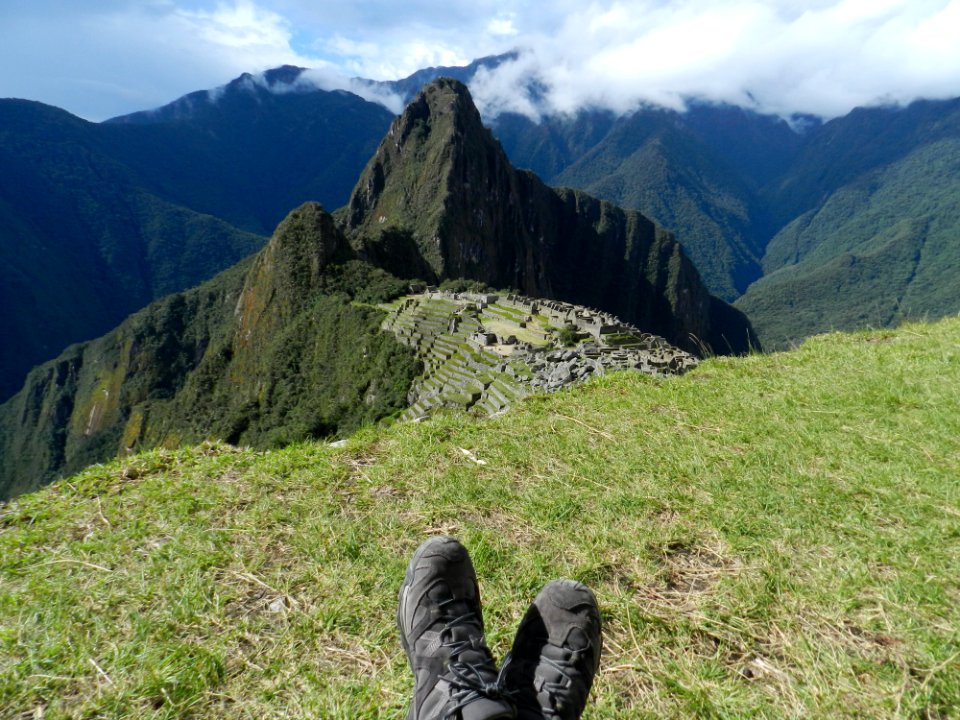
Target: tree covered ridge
(194, 366)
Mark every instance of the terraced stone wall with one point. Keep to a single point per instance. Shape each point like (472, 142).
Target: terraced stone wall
(483, 352)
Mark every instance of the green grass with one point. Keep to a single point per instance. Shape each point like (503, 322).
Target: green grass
(769, 536)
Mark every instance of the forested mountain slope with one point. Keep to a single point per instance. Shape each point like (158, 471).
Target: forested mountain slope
(97, 220)
(284, 346)
(83, 242)
(270, 351)
(877, 251)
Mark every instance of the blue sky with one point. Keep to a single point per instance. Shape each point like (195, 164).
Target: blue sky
(102, 58)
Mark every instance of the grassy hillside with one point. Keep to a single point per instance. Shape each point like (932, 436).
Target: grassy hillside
(842, 150)
(769, 536)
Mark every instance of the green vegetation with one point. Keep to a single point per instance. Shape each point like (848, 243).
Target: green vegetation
(461, 285)
(880, 250)
(324, 374)
(769, 536)
(697, 173)
(567, 335)
(280, 348)
(100, 219)
(652, 164)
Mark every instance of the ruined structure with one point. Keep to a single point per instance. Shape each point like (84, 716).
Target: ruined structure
(481, 352)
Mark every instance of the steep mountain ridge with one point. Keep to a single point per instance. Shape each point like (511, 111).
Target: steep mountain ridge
(875, 240)
(286, 346)
(653, 163)
(442, 187)
(268, 352)
(844, 149)
(697, 173)
(735, 150)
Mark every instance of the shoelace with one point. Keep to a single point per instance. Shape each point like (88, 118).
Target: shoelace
(569, 674)
(467, 679)
(471, 686)
(566, 683)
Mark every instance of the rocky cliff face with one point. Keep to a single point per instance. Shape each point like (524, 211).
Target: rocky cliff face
(440, 197)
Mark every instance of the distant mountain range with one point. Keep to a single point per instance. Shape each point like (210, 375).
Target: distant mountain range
(97, 220)
(842, 224)
(285, 345)
(869, 219)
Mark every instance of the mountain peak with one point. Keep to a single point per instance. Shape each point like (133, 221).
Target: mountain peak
(440, 113)
(448, 95)
(440, 200)
(283, 75)
(286, 274)
(420, 168)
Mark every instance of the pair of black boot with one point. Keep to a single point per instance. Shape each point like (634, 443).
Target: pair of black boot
(546, 676)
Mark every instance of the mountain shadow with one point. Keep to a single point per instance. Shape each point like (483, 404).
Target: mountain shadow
(84, 241)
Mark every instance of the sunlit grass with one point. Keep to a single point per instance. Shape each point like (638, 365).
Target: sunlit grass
(770, 536)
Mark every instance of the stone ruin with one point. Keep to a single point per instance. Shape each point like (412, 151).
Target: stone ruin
(482, 351)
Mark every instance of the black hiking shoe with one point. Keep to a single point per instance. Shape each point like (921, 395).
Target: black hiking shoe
(556, 653)
(441, 629)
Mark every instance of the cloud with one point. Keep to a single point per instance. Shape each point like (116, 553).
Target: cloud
(329, 79)
(406, 55)
(782, 56)
(502, 26)
(243, 26)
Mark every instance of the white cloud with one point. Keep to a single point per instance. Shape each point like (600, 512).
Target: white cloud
(242, 26)
(502, 26)
(405, 56)
(506, 89)
(331, 79)
(784, 56)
